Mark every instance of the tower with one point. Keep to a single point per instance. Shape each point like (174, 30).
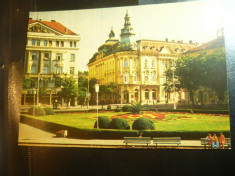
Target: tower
(127, 34)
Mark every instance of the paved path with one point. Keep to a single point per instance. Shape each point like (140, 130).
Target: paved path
(29, 135)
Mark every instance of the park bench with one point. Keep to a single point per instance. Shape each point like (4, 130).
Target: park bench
(137, 140)
(167, 141)
(205, 142)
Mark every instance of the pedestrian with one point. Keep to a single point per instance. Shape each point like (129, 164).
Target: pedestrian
(215, 141)
(221, 141)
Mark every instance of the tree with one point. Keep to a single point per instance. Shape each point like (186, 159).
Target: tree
(82, 89)
(190, 71)
(92, 83)
(69, 89)
(216, 73)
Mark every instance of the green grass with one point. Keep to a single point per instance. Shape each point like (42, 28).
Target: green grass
(171, 122)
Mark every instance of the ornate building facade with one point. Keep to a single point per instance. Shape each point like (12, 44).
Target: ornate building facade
(136, 67)
(51, 55)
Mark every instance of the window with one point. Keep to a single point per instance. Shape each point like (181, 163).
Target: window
(38, 42)
(33, 42)
(45, 69)
(72, 58)
(135, 77)
(126, 78)
(59, 70)
(153, 77)
(125, 63)
(34, 56)
(146, 63)
(50, 43)
(134, 63)
(47, 55)
(34, 69)
(72, 69)
(146, 94)
(154, 94)
(75, 44)
(45, 42)
(59, 56)
(146, 77)
(136, 94)
(153, 64)
(71, 44)
(62, 44)
(57, 43)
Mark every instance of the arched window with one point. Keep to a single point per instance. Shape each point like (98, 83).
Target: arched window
(136, 94)
(125, 63)
(135, 77)
(126, 78)
(146, 77)
(146, 94)
(154, 94)
(153, 76)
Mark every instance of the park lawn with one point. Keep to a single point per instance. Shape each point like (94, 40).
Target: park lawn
(179, 122)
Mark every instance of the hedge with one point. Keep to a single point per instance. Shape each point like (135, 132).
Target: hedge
(113, 134)
(192, 111)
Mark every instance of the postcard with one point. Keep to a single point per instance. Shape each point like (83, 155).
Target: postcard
(142, 77)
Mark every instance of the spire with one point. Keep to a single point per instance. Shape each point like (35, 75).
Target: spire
(127, 32)
(112, 34)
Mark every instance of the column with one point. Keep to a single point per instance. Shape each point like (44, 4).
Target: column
(28, 62)
(150, 96)
(121, 66)
(130, 67)
(41, 62)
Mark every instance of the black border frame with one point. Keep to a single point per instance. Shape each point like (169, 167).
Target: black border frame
(43, 161)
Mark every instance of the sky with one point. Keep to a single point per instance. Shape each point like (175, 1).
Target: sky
(197, 21)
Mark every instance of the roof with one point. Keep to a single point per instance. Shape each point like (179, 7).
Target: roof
(219, 42)
(54, 25)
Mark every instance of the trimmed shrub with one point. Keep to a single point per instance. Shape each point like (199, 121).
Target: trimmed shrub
(49, 111)
(119, 123)
(36, 111)
(117, 110)
(126, 108)
(143, 123)
(104, 122)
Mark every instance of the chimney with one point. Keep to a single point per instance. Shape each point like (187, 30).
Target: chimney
(190, 41)
(166, 39)
(173, 40)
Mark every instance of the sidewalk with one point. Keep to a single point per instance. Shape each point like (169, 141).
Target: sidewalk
(30, 136)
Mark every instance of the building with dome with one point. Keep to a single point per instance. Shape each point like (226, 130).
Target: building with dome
(136, 67)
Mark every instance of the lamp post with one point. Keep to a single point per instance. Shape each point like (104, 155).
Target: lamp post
(174, 85)
(97, 91)
(34, 92)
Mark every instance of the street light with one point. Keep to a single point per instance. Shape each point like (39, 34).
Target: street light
(97, 91)
(34, 92)
(174, 85)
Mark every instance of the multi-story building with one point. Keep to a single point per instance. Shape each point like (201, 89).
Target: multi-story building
(51, 55)
(136, 67)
